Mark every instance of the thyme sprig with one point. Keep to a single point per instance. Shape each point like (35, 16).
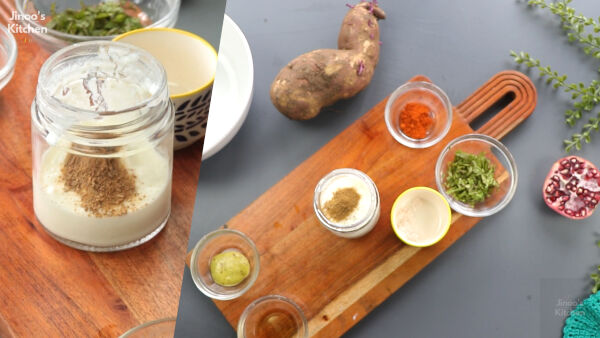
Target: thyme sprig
(585, 97)
(574, 24)
(596, 277)
(589, 96)
(585, 135)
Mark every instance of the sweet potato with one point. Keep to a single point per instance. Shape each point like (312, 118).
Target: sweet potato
(321, 77)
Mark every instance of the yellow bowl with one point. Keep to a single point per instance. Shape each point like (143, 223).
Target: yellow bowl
(415, 205)
(189, 60)
(191, 65)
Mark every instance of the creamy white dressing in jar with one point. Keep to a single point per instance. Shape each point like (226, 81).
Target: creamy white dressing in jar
(102, 138)
(357, 203)
(62, 214)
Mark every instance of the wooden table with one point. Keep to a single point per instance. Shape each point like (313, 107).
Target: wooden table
(49, 289)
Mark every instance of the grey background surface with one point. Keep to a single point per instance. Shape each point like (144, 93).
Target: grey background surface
(502, 279)
(203, 17)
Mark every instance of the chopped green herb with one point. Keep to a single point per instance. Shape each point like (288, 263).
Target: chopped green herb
(470, 178)
(104, 19)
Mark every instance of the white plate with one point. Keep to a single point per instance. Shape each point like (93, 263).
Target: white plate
(232, 91)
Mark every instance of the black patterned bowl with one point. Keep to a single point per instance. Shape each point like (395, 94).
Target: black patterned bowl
(191, 115)
(191, 64)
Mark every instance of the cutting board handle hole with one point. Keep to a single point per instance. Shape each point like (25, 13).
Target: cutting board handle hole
(494, 109)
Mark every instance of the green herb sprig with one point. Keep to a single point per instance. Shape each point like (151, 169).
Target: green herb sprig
(470, 178)
(589, 96)
(585, 97)
(574, 24)
(585, 135)
(596, 277)
(104, 19)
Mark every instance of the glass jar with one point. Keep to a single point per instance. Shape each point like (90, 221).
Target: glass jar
(102, 146)
(357, 203)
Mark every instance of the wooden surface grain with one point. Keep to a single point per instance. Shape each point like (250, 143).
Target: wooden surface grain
(338, 281)
(49, 289)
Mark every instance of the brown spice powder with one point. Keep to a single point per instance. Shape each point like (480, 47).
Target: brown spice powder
(342, 204)
(104, 184)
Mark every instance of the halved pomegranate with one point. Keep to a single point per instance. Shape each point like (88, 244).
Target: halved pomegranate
(572, 187)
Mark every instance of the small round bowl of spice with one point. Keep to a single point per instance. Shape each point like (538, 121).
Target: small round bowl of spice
(224, 264)
(418, 114)
(54, 24)
(346, 202)
(476, 174)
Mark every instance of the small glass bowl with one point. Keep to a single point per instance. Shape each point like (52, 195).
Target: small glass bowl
(160, 328)
(212, 244)
(362, 225)
(35, 14)
(8, 56)
(425, 93)
(272, 316)
(505, 174)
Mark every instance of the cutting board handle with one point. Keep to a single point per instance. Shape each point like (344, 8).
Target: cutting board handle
(503, 83)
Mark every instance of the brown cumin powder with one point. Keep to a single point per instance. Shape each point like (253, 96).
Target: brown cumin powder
(342, 204)
(104, 184)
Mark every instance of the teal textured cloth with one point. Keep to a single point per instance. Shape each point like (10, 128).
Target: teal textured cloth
(584, 320)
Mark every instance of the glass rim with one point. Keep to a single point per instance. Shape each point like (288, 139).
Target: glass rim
(147, 324)
(11, 53)
(54, 60)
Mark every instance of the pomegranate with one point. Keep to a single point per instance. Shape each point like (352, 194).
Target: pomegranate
(572, 187)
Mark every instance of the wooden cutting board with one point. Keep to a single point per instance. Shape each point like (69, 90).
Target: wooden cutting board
(50, 290)
(338, 281)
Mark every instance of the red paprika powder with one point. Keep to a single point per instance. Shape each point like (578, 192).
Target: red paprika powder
(415, 120)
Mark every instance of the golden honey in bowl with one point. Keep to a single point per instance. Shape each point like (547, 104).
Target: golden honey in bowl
(272, 316)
